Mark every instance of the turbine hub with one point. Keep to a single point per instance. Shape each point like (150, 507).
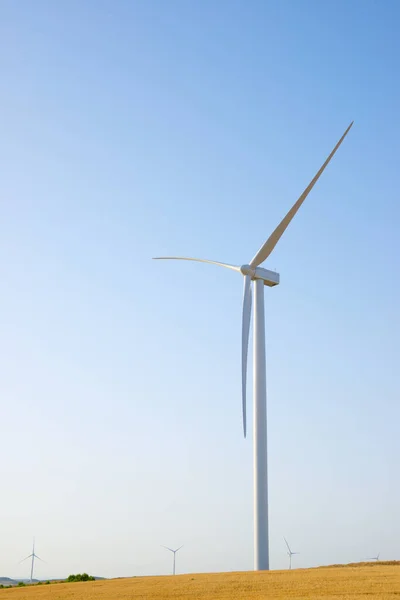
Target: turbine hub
(247, 270)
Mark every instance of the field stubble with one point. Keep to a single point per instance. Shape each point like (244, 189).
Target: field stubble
(334, 583)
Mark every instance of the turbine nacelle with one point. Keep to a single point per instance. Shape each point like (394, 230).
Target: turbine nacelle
(270, 278)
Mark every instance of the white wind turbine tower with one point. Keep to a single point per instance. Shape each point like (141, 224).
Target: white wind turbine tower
(174, 552)
(261, 277)
(33, 556)
(290, 553)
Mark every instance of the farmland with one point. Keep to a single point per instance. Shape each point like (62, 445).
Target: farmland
(339, 582)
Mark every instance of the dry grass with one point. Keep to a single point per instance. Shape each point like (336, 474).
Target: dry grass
(334, 583)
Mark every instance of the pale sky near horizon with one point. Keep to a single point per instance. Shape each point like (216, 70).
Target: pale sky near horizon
(137, 129)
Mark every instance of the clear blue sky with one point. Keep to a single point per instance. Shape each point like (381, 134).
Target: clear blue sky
(136, 129)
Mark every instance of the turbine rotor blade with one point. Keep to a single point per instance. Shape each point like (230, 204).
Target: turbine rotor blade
(246, 317)
(288, 547)
(166, 547)
(179, 548)
(26, 558)
(202, 260)
(36, 556)
(275, 236)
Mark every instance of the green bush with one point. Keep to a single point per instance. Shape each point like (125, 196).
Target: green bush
(80, 577)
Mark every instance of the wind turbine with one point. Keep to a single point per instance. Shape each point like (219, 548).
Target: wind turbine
(375, 557)
(289, 553)
(33, 556)
(174, 551)
(261, 277)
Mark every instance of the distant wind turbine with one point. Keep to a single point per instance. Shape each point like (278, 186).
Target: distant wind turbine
(33, 556)
(174, 552)
(257, 277)
(374, 557)
(290, 553)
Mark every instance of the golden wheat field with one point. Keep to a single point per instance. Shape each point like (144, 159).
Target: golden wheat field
(335, 583)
